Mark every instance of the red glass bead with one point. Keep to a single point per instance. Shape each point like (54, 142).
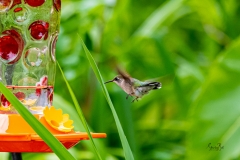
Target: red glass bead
(11, 46)
(20, 95)
(44, 81)
(4, 101)
(8, 48)
(50, 95)
(39, 30)
(17, 9)
(34, 3)
(57, 4)
(38, 90)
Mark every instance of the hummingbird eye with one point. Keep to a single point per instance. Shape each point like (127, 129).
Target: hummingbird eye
(117, 79)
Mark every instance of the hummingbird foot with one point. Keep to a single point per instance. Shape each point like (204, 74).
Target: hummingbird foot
(128, 96)
(135, 99)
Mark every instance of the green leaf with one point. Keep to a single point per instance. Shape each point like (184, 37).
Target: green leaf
(80, 113)
(50, 140)
(126, 147)
(217, 110)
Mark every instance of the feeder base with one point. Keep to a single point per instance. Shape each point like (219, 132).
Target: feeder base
(34, 143)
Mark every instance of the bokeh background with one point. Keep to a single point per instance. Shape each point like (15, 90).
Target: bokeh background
(191, 46)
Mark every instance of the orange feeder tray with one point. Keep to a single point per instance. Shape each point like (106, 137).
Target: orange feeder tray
(20, 137)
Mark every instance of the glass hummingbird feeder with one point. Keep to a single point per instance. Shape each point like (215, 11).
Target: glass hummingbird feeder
(28, 35)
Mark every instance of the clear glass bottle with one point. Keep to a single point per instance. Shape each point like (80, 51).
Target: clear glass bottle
(28, 35)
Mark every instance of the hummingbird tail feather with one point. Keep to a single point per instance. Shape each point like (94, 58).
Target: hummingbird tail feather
(155, 85)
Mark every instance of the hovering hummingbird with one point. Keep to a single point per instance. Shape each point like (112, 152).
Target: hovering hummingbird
(134, 87)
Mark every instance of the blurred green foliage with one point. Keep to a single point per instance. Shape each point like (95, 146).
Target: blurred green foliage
(191, 46)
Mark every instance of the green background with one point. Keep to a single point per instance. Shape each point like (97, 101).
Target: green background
(191, 46)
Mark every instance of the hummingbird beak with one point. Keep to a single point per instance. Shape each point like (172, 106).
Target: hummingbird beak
(109, 81)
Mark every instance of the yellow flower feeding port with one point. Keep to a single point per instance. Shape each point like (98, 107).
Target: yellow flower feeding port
(57, 120)
(16, 135)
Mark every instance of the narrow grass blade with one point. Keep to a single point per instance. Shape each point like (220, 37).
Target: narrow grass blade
(80, 113)
(126, 147)
(50, 140)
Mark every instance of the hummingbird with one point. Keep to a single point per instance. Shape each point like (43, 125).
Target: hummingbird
(134, 87)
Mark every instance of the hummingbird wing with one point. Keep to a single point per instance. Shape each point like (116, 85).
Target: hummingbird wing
(124, 74)
(129, 83)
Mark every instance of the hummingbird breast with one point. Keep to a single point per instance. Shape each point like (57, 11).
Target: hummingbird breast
(127, 87)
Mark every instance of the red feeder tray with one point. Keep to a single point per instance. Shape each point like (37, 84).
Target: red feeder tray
(20, 137)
